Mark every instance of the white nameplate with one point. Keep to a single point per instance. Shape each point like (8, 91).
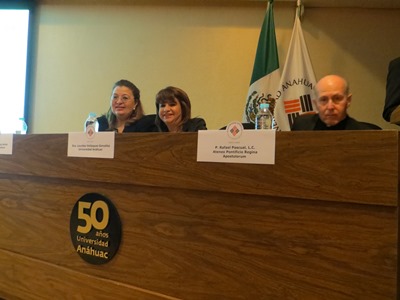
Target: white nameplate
(235, 145)
(94, 145)
(6, 144)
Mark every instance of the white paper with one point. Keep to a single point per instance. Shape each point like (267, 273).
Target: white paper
(235, 145)
(6, 143)
(94, 145)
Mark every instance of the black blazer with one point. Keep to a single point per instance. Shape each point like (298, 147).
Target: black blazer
(144, 124)
(192, 125)
(309, 122)
(392, 99)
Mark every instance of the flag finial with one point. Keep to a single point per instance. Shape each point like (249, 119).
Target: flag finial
(300, 9)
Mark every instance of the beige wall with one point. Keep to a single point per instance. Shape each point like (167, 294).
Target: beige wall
(208, 50)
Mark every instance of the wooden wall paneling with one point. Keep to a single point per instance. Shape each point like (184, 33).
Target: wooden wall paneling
(300, 170)
(184, 240)
(22, 277)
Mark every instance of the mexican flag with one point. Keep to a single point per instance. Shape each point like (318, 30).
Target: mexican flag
(266, 75)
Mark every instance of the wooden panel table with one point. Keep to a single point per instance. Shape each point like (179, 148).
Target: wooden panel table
(322, 223)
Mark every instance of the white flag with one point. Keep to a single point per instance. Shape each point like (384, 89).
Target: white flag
(297, 85)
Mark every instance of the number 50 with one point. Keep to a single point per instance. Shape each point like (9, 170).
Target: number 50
(91, 218)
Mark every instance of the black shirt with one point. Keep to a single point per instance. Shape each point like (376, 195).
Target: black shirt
(144, 124)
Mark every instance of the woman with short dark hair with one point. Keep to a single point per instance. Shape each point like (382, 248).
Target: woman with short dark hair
(174, 112)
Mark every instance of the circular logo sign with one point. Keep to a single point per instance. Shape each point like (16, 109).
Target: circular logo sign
(234, 130)
(95, 228)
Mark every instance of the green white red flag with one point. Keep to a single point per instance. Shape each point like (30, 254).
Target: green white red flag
(266, 75)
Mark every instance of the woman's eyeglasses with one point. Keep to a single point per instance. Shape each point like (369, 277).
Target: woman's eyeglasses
(123, 98)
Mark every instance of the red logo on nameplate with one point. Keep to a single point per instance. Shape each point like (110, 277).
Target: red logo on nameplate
(234, 130)
(90, 132)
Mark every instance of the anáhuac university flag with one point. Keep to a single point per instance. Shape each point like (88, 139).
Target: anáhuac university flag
(297, 85)
(266, 75)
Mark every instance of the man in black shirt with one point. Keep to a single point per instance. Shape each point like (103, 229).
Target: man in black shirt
(333, 99)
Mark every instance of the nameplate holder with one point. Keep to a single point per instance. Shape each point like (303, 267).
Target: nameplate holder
(6, 144)
(236, 145)
(91, 144)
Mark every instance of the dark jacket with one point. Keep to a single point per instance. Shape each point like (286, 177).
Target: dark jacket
(193, 125)
(144, 124)
(313, 122)
(392, 99)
